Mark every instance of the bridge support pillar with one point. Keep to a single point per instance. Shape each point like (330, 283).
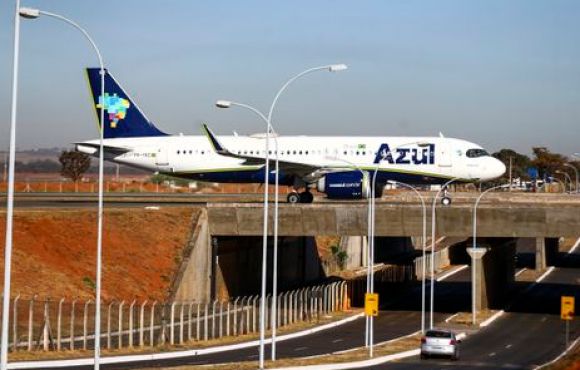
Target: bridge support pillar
(546, 252)
(494, 271)
(356, 249)
(478, 293)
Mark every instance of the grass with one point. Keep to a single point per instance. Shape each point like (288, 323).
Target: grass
(465, 318)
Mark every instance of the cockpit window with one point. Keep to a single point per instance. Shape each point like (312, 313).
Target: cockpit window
(476, 153)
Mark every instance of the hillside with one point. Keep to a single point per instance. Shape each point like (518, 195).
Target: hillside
(55, 251)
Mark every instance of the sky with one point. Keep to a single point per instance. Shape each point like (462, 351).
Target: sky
(503, 74)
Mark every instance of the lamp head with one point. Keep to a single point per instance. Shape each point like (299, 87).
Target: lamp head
(29, 13)
(337, 67)
(223, 103)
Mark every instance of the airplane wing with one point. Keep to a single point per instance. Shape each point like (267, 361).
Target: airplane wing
(308, 172)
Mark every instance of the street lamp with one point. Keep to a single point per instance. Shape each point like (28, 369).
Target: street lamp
(424, 242)
(432, 298)
(566, 178)
(10, 195)
(369, 234)
(269, 130)
(473, 283)
(228, 104)
(329, 68)
(372, 239)
(30, 13)
(575, 172)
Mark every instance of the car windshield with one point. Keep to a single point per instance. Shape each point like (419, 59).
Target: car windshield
(438, 334)
(475, 153)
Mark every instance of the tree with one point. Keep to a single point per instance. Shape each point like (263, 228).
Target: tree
(548, 162)
(520, 163)
(74, 164)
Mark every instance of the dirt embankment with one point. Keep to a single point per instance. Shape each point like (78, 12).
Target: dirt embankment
(55, 252)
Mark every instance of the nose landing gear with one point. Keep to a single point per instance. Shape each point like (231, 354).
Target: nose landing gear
(446, 199)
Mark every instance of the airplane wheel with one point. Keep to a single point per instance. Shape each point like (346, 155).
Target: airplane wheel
(293, 198)
(306, 197)
(446, 201)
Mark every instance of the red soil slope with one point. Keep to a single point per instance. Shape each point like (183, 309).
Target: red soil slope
(55, 252)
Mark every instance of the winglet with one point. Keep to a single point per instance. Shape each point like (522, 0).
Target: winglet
(217, 146)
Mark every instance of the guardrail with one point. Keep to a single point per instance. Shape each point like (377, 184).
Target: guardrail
(50, 325)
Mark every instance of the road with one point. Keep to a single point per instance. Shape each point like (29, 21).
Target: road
(388, 325)
(529, 334)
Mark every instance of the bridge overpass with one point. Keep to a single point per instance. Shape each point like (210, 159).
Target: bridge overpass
(230, 244)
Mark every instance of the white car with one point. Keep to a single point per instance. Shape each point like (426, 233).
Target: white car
(439, 342)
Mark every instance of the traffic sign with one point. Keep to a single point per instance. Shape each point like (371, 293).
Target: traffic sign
(372, 304)
(567, 308)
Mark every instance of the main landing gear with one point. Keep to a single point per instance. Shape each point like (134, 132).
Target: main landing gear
(304, 197)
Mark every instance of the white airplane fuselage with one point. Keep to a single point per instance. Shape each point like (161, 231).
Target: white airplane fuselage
(409, 159)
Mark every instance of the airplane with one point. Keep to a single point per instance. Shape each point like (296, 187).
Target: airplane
(341, 167)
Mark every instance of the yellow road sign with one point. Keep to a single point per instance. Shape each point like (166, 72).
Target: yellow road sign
(567, 311)
(371, 304)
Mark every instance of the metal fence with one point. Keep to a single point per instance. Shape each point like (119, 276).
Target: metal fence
(70, 324)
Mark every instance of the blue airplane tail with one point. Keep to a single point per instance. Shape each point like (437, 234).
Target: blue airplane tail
(123, 118)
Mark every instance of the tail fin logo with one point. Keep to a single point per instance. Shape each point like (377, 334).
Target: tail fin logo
(116, 108)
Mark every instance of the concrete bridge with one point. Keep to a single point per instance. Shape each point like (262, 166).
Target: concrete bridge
(227, 246)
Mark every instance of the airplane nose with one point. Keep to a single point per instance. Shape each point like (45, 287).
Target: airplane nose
(498, 168)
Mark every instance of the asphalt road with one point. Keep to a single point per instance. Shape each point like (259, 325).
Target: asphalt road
(388, 325)
(529, 334)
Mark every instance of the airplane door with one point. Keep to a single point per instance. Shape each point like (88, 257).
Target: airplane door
(444, 155)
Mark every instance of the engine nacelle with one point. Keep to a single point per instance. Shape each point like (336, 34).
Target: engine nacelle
(344, 185)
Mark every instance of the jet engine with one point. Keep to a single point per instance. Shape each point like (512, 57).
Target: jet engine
(344, 185)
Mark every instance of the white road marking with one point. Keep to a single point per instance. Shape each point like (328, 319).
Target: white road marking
(508, 346)
(451, 317)
(491, 354)
(574, 247)
(300, 349)
(337, 340)
(519, 272)
(491, 319)
(545, 274)
(451, 273)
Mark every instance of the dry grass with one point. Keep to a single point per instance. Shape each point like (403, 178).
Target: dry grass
(569, 362)
(465, 318)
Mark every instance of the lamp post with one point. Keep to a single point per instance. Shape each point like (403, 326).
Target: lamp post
(432, 298)
(473, 275)
(424, 242)
(365, 179)
(269, 130)
(10, 194)
(329, 68)
(228, 104)
(30, 13)
(575, 172)
(372, 238)
(567, 178)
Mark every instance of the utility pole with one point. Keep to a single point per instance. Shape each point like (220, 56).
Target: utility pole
(510, 173)
(5, 178)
